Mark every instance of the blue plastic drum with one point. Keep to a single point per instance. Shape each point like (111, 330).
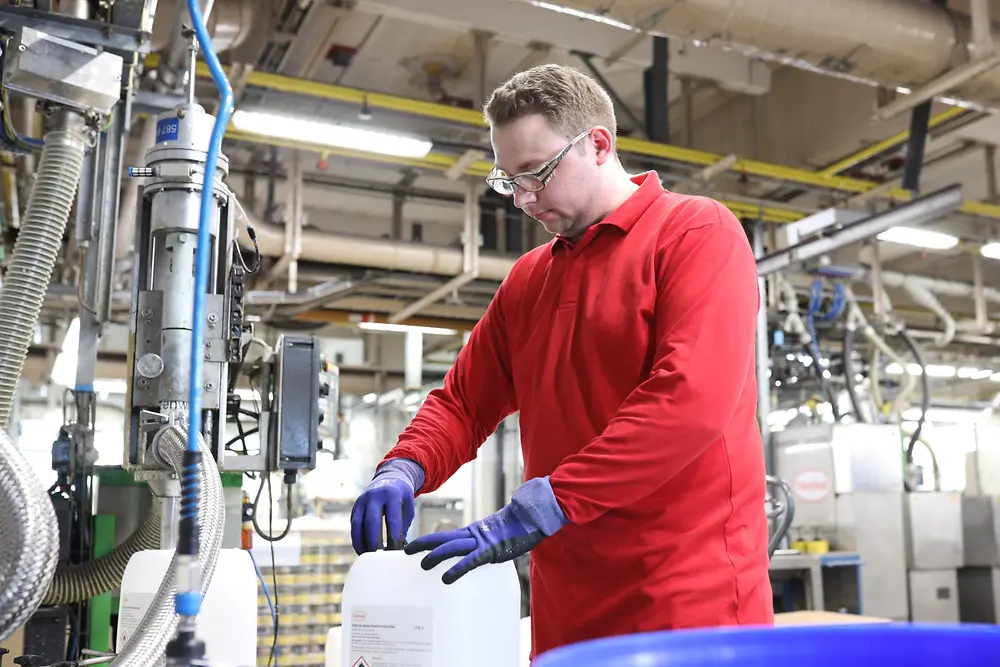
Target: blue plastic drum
(874, 645)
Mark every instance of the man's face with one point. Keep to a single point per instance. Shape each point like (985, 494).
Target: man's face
(562, 205)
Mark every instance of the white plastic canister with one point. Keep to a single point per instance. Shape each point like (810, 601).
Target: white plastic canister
(395, 614)
(227, 622)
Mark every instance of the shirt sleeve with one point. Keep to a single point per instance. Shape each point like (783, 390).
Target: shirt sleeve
(478, 393)
(706, 309)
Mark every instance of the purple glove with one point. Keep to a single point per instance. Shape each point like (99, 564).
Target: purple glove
(390, 494)
(532, 515)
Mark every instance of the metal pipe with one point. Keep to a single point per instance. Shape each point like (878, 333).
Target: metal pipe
(470, 258)
(913, 213)
(895, 43)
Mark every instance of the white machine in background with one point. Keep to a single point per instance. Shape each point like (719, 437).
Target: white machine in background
(979, 577)
(929, 556)
(848, 486)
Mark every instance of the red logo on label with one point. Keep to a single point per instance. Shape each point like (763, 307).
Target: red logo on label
(359, 616)
(812, 486)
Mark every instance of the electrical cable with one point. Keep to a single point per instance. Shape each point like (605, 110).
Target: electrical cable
(852, 393)
(266, 478)
(812, 348)
(267, 594)
(275, 651)
(925, 386)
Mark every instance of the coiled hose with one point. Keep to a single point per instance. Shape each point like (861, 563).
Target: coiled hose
(76, 583)
(36, 251)
(29, 539)
(159, 625)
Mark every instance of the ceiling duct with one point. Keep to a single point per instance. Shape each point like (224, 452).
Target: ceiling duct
(895, 43)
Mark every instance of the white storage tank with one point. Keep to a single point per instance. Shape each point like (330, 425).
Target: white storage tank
(393, 610)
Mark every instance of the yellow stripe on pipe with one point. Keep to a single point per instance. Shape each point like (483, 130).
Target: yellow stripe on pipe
(884, 145)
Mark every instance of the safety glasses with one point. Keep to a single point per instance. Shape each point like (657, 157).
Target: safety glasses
(531, 181)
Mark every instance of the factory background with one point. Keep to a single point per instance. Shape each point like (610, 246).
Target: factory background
(856, 141)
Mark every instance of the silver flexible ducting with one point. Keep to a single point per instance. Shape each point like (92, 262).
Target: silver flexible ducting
(76, 583)
(29, 535)
(29, 539)
(36, 251)
(158, 626)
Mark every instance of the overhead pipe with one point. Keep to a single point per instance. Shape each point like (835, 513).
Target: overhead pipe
(376, 253)
(470, 258)
(893, 43)
(925, 298)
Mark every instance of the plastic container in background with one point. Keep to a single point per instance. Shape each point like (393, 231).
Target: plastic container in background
(227, 622)
(875, 645)
(396, 613)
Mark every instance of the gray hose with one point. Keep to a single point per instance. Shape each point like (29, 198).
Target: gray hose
(29, 539)
(76, 583)
(36, 251)
(158, 626)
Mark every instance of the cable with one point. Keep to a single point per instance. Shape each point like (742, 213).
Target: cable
(266, 478)
(275, 652)
(848, 353)
(925, 387)
(267, 594)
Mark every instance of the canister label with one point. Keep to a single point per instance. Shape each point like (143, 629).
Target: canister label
(391, 637)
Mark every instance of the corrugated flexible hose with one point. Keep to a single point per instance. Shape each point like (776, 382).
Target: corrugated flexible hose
(158, 626)
(29, 539)
(29, 535)
(36, 250)
(76, 583)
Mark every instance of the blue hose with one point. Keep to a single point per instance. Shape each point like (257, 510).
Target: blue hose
(188, 602)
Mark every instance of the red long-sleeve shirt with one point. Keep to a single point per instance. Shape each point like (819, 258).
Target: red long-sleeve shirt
(630, 356)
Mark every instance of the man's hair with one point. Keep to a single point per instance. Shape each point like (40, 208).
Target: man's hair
(570, 100)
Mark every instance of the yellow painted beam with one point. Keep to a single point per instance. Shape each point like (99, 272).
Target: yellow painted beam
(479, 168)
(396, 103)
(890, 142)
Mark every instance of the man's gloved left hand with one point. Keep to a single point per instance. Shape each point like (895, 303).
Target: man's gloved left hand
(532, 515)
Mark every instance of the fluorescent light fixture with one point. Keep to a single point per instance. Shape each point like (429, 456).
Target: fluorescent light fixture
(406, 328)
(894, 369)
(577, 13)
(991, 250)
(921, 238)
(938, 371)
(983, 374)
(297, 128)
(995, 377)
(966, 373)
(369, 398)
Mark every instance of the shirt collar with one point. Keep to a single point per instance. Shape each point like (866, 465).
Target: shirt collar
(625, 216)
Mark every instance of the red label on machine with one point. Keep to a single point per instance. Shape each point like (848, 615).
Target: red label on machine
(812, 486)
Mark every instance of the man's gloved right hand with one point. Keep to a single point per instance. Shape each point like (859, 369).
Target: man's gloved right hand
(391, 495)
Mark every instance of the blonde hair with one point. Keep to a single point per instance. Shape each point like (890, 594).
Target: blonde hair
(570, 100)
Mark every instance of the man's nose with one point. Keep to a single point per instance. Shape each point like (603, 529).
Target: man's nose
(522, 197)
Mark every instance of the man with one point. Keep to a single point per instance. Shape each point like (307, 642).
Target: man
(627, 345)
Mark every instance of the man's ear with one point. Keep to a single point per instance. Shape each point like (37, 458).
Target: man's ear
(604, 143)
